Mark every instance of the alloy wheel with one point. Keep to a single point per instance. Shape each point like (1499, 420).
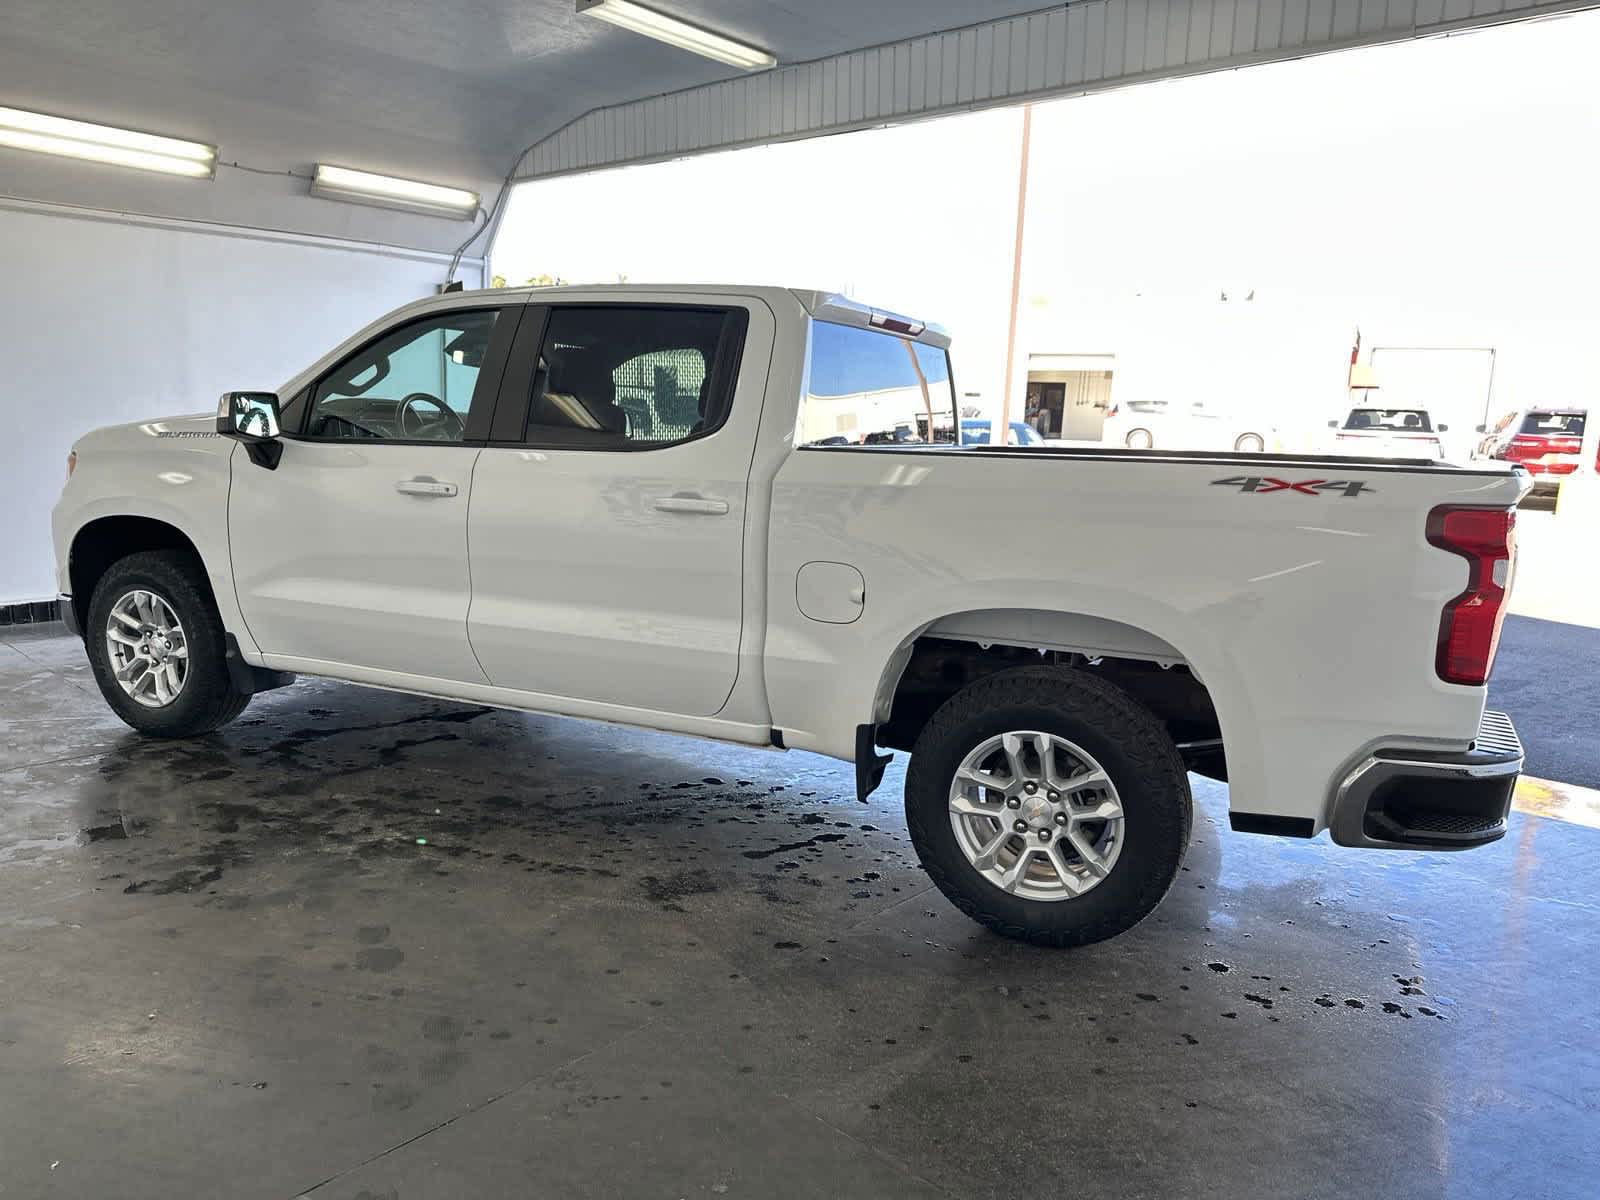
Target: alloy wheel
(1036, 815)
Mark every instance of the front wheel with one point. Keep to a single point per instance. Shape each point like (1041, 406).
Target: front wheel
(1048, 805)
(157, 646)
(1139, 439)
(1250, 443)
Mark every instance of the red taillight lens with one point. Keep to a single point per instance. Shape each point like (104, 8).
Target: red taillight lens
(1469, 628)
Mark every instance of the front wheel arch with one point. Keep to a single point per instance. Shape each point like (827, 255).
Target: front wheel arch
(101, 543)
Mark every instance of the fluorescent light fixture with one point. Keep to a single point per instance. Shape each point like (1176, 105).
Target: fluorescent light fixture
(628, 15)
(23, 130)
(363, 187)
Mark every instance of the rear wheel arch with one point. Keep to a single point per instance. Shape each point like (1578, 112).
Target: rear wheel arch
(943, 656)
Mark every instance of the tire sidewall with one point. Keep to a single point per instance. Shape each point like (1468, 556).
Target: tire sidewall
(207, 669)
(1155, 830)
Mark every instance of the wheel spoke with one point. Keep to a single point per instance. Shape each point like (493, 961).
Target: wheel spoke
(985, 779)
(1012, 877)
(1095, 864)
(1069, 878)
(131, 668)
(121, 638)
(986, 857)
(179, 654)
(1089, 779)
(968, 807)
(1108, 808)
(1011, 743)
(127, 619)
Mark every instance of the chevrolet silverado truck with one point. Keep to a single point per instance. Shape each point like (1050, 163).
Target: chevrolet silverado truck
(665, 507)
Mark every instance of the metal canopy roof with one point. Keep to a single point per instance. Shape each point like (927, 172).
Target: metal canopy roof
(451, 91)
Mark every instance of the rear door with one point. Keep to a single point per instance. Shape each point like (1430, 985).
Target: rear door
(607, 523)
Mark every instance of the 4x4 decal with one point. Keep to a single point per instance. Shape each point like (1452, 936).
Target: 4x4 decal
(1266, 484)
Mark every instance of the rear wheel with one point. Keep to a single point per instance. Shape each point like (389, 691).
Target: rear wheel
(1250, 443)
(1139, 439)
(158, 648)
(1048, 805)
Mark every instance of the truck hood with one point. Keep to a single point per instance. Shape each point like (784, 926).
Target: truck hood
(193, 433)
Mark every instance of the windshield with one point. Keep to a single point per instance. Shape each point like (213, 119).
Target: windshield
(1553, 424)
(1389, 420)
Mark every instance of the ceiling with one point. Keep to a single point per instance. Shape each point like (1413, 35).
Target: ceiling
(444, 90)
(452, 91)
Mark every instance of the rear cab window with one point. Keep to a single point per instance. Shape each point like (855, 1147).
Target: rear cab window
(1389, 420)
(870, 387)
(1553, 424)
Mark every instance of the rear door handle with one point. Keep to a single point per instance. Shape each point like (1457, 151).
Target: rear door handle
(425, 487)
(692, 506)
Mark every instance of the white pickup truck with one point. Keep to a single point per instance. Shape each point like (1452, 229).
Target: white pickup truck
(666, 507)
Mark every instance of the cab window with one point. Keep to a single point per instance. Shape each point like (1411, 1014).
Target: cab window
(633, 377)
(866, 388)
(415, 383)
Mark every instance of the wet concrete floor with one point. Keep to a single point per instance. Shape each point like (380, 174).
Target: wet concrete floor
(367, 945)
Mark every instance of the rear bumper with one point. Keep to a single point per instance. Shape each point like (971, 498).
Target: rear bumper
(1429, 800)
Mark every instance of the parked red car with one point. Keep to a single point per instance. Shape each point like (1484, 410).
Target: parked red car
(1547, 442)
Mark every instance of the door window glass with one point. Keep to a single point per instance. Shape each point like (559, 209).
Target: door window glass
(415, 383)
(867, 388)
(627, 376)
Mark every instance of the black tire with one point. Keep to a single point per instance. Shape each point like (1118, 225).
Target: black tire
(1130, 744)
(208, 700)
(1139, 439)
(1250, 443)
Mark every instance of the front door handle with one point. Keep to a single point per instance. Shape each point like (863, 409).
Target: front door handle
(425, 487)
(692, 506)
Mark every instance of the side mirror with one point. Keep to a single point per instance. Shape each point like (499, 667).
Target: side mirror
(1333, 424)
(1480, 429)
(1444, 429)
(252, 418)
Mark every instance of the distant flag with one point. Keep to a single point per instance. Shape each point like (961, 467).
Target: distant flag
(1355, 355)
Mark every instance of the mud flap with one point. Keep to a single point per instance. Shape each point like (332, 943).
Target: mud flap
(870, 765)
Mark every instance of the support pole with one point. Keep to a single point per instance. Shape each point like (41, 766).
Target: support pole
(1002, 436)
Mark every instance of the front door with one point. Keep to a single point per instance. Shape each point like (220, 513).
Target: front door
(608, 520)
(353, 552)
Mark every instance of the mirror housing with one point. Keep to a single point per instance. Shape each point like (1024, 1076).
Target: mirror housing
(1480, 429)
(1333, 424)
(252, 418)
(1444, 429)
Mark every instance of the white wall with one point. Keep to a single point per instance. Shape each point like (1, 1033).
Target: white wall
(105, 320)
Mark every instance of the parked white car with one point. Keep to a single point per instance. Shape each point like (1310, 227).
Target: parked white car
(1168, 425)
(664, 530)
(1389, 432)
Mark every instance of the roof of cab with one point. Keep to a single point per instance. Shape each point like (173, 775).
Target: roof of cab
(820, 305)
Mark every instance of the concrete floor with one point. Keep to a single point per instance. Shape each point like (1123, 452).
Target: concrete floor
(626, 964)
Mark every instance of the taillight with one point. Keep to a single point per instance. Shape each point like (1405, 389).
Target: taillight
(72, 462)
(1469, 628)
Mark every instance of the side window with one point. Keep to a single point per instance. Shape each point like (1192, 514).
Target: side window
(632, 376)
(867, 388)
(415, 383)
